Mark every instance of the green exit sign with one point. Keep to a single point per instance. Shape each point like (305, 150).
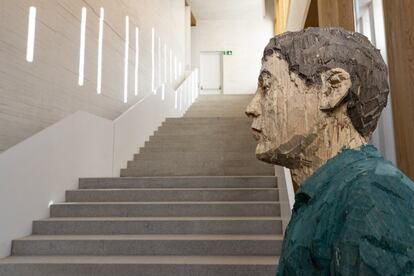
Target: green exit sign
(228, 53)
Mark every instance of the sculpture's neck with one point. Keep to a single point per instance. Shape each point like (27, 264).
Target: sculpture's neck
(334, 134)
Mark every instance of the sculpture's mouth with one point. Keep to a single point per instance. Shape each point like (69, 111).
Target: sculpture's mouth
(260, 136)
(257, 134)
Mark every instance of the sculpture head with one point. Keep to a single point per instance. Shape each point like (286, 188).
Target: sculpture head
(319, 90)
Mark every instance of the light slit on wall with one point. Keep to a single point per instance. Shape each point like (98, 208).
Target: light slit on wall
(196, 81)
(180, 68)
(190, 84)
(163, 91)
(176, 99)
(82, 48)
(153, 61)
(165, 63)
(195, 86)
(159, 62)
(171, 66)
(181, 97)
(31, 31)
(175, 67)
(100, 43)
(185, 93)
(136, 59)
(126, 59)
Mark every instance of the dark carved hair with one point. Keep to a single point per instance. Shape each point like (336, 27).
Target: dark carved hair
(313, 51)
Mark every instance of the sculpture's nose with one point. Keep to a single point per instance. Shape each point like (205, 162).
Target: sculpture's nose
(253, 109)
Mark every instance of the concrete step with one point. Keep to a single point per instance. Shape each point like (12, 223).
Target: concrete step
(174, 170)
(207, 120)
(224, 98)
(211, 127)
(224, 102)
(139, 266)
(159, 225)
(203, 131)
(148, 154)
(215, 146)
(176, 166)
(220, 107)
(204, 143)
(194, 113)
(220, 137)
(182, 164)
(204, 123)
(220, 103)
(166, 209)
(148, 245)
(179, 182)
(173, 194)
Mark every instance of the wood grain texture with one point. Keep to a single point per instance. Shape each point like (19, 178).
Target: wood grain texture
(281, 15)
(312, 19)
(36, 95)
(399, 27)
(336, 13)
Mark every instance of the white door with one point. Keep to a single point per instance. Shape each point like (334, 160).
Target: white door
(210, 73)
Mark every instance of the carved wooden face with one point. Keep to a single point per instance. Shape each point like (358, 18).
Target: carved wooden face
(285, 113)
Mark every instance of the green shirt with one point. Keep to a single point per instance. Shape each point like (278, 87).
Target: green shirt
(354, 216)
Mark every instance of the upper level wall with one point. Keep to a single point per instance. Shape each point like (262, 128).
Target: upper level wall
(35, 95)
(246, 38)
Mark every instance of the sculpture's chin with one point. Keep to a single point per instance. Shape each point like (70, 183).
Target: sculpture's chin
(273, 155)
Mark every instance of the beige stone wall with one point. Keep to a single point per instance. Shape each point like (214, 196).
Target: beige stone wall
(36, 95)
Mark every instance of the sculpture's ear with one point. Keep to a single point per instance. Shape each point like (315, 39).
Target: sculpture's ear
(335, 86)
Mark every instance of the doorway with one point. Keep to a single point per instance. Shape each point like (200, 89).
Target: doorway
(211, 72)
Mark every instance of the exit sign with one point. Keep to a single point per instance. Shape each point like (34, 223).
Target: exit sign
(228, 53)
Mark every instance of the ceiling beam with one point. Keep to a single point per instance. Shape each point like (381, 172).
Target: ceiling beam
(193, 19)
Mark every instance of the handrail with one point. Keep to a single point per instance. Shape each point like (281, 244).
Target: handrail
(187, 91)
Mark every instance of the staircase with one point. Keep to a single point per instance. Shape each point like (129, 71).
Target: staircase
(194, 201)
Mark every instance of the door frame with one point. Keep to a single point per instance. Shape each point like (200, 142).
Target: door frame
(220, 53)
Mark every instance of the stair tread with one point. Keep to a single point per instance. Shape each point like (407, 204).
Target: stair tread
(180, 177)
(168, 202)
(158, 218)
(151, 237)
(185, 260)
(176, 189)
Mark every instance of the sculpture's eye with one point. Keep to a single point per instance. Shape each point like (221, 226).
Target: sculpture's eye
(265, 82)
(260, 82)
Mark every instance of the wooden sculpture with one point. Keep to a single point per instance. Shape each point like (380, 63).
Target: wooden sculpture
(320, 95)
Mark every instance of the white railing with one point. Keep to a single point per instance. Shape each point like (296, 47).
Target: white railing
(187, 91)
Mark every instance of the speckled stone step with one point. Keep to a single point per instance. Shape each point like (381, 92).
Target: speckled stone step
(179, 182)
(159, 225)
(166, 208)
(173, 194)
(139, 266)
(145, 245)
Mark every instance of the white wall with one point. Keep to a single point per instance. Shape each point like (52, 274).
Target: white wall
(247, 38)
(38, 170)
(36, 95)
